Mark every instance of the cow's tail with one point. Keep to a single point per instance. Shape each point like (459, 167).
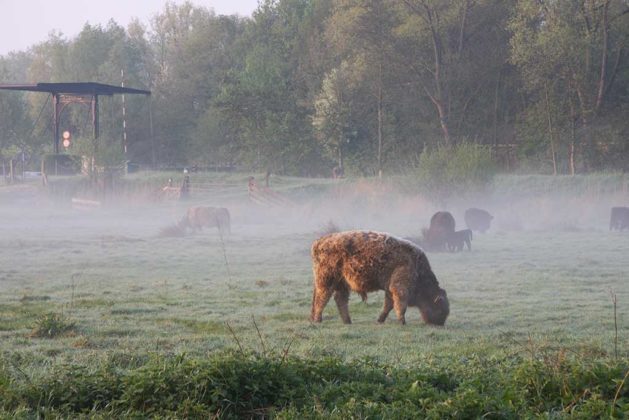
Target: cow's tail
(363, 296)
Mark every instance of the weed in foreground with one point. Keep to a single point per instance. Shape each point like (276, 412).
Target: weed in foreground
(245, 385)
(51, 325)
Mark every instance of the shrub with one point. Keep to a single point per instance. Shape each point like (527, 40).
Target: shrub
(455, 170)
(249, 386)
(51, 325)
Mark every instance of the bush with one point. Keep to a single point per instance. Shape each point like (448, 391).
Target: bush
(242, 386)
(454, 170)
(51, 325)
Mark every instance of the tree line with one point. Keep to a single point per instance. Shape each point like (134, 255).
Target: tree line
(368, 86)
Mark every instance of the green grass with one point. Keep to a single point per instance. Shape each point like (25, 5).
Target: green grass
(528, 307)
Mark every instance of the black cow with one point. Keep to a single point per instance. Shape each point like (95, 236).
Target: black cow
(458, 239)
(442, 225)
(619, 218)
(478, 219)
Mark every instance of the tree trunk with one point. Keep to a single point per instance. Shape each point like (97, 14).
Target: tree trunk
(602, 76)
(496, 101)
(466, 8)
(428, 13)
(587, 144)
(573, 136)
(340, 155)
(443, 120)
(437, 98)
(550, 132)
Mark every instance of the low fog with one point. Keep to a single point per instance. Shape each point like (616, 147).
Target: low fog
(314, 207)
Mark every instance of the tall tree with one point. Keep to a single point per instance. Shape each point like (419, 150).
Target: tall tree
(455, 52)
(580, 46)
(361, 30)
(266, 98)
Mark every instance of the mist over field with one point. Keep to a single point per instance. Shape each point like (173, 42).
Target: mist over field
(539, 280)
(155, 241)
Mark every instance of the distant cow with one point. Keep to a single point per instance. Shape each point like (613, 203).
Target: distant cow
(619, 218)
(442, 225)
(364, 262)
(458, 239)
(478, 219)
(199, 217)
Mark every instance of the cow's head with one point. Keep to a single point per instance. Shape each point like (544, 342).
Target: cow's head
(436, 309)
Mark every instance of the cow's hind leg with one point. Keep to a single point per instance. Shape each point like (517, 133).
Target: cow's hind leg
(323, 289)
(388, 305)
(341, 296)
(400, 303)
(320, 298)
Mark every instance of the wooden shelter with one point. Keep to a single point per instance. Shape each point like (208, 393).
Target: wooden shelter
(64, 94)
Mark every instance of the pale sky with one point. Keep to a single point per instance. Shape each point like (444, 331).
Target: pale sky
(24, 23)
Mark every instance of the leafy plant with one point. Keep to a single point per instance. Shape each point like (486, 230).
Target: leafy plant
(51, 325)
(454, 170)
(237, 385)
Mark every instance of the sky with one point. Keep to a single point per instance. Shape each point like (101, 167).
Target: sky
(24, 23)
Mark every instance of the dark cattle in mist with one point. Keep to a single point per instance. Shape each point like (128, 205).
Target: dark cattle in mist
(619, 218)
(442, 225)
(458, 239)
(199, 217)
(365, 262)
(478, 219)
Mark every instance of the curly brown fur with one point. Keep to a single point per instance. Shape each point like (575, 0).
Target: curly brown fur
(199, 217)
(365, 262)
(458, 239)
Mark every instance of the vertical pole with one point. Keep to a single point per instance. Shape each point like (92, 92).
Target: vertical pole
(95, 115)
(56, 112)
(154, 160)
(124, 118)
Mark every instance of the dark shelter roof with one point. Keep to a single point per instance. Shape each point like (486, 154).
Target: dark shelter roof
(83, 88)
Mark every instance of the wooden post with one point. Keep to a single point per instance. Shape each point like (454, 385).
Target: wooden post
(44, 177)
(11, 175)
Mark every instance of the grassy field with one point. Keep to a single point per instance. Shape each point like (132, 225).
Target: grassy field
(129, 297)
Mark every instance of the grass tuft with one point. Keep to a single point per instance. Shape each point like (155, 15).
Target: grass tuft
(32, 298)
(51, 325)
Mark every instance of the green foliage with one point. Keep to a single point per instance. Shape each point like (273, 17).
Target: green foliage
(449, 171)
(238, 385)
(301, 86)
(51, 325)
(107, 153)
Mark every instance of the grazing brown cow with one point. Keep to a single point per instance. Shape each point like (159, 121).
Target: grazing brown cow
(619, 218)
(198, 217)
(442, 225)
(478, 219)
(364, 262)
(458, 239)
